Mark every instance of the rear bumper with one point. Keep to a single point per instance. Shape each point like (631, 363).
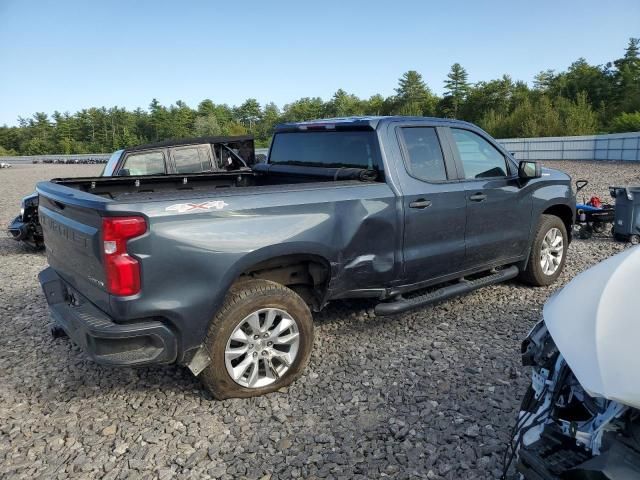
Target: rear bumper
(105, 341)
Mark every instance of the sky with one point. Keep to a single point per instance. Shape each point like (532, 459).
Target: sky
(67, 55)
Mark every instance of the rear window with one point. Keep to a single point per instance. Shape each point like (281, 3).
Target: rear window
(191, 160)
(356, 149)
(145, 163)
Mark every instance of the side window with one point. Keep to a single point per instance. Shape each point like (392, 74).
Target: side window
(191, 160)
(425, 160)
(479, 158)
(205, 153)
(144, 163)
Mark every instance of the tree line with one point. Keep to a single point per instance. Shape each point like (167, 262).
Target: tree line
(582, 100)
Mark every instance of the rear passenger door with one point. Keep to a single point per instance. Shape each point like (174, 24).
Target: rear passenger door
(498, 210)
(434, 205)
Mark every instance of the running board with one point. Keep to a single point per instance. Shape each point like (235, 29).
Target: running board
(464, 286)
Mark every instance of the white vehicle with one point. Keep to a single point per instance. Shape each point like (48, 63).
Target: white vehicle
(5, 165)
(580, 419)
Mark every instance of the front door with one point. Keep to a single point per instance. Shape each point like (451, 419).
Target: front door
(434, 206)
(498, 209)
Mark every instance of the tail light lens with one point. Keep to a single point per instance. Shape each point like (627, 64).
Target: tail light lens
(122, 271)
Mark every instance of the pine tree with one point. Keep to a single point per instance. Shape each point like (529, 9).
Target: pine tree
(627, 78)
(343, 104)
(249, 113)
(544, 80)
(207, 126)
(270, 118)
(413, 97)
(457, 88)
(412, 87)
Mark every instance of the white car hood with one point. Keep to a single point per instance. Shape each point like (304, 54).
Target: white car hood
(595, 322)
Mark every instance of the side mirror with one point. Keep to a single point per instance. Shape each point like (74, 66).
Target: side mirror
(123, 172)
(528, 170)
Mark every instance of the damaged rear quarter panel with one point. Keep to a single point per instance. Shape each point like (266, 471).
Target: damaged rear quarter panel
(352, 225)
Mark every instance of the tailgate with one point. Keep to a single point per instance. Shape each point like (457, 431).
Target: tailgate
(72, 239)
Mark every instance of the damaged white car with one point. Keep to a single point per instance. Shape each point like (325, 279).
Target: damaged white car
(580, 419)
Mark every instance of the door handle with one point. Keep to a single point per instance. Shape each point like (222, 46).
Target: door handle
(420, 203)
(478, 197)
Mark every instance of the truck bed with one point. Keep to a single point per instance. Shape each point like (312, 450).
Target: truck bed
(203, 228)
(178, 186)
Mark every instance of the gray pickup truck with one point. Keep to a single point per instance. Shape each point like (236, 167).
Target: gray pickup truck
(220, 271)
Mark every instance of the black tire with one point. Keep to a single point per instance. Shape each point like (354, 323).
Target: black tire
(585, 232)
(243, 299)
(533, 274)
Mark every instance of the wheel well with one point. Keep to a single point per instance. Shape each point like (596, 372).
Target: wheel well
(564, 213)
(307, 275)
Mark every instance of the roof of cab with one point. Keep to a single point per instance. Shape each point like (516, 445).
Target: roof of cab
(359, 122)
(190, 141)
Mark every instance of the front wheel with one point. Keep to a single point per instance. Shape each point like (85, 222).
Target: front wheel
(548, 252)
(258, 342)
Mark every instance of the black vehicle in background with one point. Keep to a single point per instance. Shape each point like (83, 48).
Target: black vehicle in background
(188, 156)
(26, 226)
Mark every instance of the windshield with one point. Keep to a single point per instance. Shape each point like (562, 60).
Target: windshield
(350, 149)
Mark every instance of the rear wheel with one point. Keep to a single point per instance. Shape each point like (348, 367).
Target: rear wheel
(585, 232)
(548, 252)
(259, 341)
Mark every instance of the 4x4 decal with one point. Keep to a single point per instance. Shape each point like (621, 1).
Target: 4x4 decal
(195, 207)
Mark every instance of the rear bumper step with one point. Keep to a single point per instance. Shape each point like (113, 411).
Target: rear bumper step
(106, 342)
(465, 286)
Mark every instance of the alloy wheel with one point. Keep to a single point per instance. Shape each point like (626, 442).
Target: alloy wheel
(262, 348)
(551, 251)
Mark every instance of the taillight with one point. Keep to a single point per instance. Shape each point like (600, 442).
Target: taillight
(122, 271)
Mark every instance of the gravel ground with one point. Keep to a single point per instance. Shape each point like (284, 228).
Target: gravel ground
(428, 394)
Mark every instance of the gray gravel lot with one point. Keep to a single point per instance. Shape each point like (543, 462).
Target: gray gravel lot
(427, 394)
